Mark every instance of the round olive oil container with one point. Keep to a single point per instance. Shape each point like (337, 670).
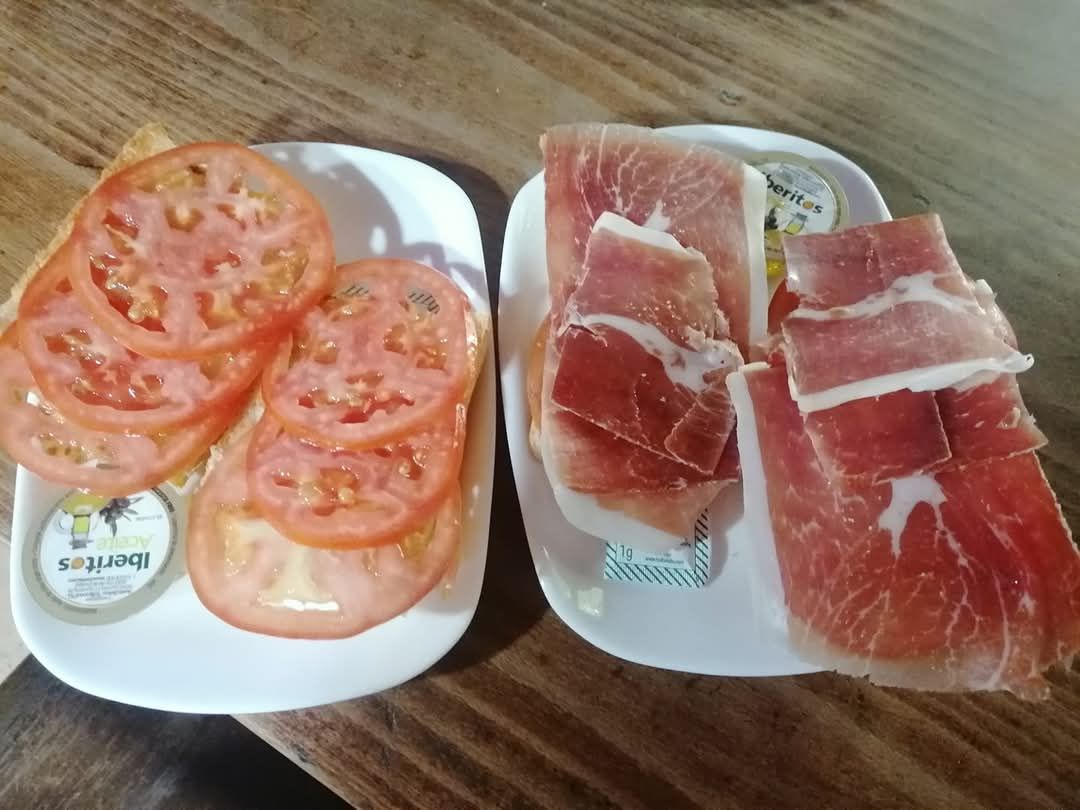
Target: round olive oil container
(800, 197)
(98, 560)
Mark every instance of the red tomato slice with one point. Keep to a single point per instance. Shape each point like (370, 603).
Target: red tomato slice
(202, 249)
(95, 381)
(35, 434)
(255, 578)
(353, 498)
(385, 356)
(782, 304)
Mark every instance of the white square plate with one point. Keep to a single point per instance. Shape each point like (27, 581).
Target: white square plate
(176, 655)
(732, 625)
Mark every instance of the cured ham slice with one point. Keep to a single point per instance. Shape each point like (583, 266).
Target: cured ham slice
(873, 439)
(674, 510)
(589, 459)
(988, 420)
(646, 276)
(600, 480)
(608, 331)
(654, 254)
(626, 467)
(904, 432)
(634, 494)
(843, 268)
(880, 438)
(987, 299)
(706, 199)
(637, 352)
(985, 416)
(884, 307)
(963, 579)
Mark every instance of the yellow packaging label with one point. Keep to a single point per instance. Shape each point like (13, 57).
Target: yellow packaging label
(800, 197)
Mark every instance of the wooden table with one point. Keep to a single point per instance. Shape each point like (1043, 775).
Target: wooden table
(969, 109)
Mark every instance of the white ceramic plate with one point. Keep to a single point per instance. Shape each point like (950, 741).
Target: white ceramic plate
(729, 627)
(176, 655)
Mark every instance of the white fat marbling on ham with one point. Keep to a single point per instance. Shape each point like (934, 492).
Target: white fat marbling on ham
(907, 493)
(905, 289)
(648, 234)
(930, 378)
(683, 366)
(657, 219)
(979, 378)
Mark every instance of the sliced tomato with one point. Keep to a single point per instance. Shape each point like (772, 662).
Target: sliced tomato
(95, 381)
(353, 498)
(37, 436)
(250, 575)
(782, 304)
(205, 248)
(384, 356)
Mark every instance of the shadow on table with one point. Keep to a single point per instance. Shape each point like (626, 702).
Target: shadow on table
(511, 601)
(141, 757)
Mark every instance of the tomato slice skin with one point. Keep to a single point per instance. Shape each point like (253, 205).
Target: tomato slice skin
(384, 356)
(782, 304)
(100, 384)
(337, 498)
(38, 437)
(205, 248)
(251, 576)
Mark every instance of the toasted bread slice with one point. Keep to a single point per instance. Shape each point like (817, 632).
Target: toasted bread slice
(534, 382)
(478, 343)
(147, 141)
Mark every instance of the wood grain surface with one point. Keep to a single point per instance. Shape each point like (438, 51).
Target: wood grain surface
(64, 749)
(967, 108)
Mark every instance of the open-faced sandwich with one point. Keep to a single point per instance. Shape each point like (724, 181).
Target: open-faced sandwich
(189, 323)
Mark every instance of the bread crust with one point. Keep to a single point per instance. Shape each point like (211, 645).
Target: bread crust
(147, 140)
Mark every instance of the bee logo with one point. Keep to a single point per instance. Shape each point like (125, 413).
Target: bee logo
(116, 510)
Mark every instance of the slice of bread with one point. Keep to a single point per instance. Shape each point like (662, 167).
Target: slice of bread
(534, 383)
(481, 328)
(147, 141)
